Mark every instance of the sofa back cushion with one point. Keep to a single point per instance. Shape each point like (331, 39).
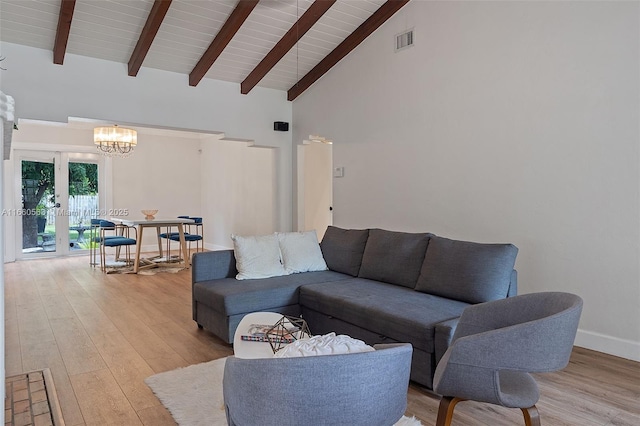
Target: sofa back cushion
(394, 257)
(342, 249)
(466, 271)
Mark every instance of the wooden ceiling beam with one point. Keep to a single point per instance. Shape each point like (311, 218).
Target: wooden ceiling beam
(379, 17)
(62, 33)
(151, 27)
(222, 39)
(300, 28)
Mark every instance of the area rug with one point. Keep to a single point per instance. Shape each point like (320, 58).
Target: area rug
(150, 271)
(193, 395)
(159, 270)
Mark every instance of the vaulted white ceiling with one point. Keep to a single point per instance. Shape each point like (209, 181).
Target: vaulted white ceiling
(110, 29)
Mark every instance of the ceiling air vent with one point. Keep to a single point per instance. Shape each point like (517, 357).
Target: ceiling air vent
(404, 40)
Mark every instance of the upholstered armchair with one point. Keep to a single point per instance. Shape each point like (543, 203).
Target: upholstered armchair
(497, 344)
(368, 389)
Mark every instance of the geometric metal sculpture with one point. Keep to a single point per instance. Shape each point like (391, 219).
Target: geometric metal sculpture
(287, 330)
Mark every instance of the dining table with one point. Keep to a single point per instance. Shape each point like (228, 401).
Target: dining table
(141, 224)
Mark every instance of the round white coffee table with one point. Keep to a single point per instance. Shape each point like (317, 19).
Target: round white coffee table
(248, 349)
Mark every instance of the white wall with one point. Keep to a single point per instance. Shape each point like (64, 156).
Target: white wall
(241, 182)
(163, 173)
(231, 185)
(98, 89)
(506, 122)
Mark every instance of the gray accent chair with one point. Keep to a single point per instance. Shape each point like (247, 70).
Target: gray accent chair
(368, 389)
(497, 344)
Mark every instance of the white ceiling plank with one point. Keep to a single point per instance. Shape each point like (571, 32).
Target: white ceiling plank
(28, 38)
(10, 28)
(109, 29)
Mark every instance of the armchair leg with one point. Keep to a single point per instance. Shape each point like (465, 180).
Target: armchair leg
(531, 416)
(445, 410)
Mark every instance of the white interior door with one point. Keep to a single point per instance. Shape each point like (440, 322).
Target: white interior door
(315, 187)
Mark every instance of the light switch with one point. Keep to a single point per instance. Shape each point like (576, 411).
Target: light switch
(338, 172)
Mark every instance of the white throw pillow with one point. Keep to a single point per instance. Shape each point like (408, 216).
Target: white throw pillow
(257, 257)
(328, 344)
(301, 252)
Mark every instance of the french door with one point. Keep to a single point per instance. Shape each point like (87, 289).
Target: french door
(59, 193)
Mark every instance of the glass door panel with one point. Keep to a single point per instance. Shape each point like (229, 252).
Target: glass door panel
(38, 206)
(83, 203)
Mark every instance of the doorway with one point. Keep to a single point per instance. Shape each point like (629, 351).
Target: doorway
(57, 195)
(315, 187)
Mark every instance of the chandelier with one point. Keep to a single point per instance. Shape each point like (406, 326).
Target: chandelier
(115, 141)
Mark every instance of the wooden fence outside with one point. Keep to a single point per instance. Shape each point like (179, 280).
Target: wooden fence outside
(82, 208)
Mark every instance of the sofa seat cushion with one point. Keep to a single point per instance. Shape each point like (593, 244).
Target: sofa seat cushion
(394, 257)
(399, 313)
(230, 296)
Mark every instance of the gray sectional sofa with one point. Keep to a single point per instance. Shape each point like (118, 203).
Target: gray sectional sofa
(382, 287)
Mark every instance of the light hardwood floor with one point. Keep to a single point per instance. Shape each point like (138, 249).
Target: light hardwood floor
(101, 335)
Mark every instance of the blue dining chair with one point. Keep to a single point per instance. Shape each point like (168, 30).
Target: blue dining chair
(120, 238)
(193, 232)
(95, 240)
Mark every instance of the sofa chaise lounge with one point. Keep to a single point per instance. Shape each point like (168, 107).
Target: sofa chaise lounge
(381, 287)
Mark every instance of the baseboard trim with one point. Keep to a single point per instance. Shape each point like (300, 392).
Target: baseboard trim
(622, 348)
(153, 248)
(215, 247)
